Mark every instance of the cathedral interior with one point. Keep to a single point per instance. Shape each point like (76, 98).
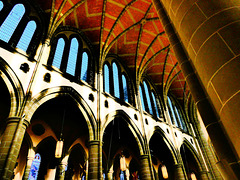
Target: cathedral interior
(119, 89)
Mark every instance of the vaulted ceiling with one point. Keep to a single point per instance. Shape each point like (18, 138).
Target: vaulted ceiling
(129, 28)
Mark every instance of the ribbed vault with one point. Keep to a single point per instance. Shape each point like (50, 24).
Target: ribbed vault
(129, 28)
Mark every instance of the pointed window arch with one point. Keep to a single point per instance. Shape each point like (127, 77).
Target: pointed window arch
(106, 79)
(148, 98)
(27, 36)
(11, 22)
(84, 67)
(115, 80)
(1, 5)
(58, 53)
(171, 113)
(125, 88)
(72, 58)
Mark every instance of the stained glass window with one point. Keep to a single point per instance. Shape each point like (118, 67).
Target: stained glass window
(72, 57)
(58, 53)
(106, 79)
(11, 22)
(125, 88)
(115, 80)
(34, 167)
(84, 66)
(27, 36)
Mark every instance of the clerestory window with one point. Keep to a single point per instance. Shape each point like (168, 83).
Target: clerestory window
(115, 80)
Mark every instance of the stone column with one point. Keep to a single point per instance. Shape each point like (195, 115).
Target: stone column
(110, 174)
(94, 161)
(30, 158)
(11, 144)
(204, 175)
(61, 168)
(178, 172)
(207, 48)
(145, 170)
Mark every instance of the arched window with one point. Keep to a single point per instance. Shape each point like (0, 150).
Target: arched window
(142, 100)
(72, 58)
(58, 53)
(182, 122)
(115, 80)
(125, 88)
(106, 79)
(171, 112)
(1, 5)
(148, 97)
(155, 104)
(27, 36)
(84, 66)
(33, 174)
(11, 22)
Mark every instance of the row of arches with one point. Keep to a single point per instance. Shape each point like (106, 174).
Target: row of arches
(59, 115)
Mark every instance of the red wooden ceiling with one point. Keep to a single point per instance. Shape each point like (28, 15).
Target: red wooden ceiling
(129, 28)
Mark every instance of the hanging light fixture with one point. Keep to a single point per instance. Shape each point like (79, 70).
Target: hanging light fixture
(164, 171)
(193, 176)
(123, 163)
(59, 146)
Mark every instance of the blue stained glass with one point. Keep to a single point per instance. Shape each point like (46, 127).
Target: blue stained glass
(27, 36)
(116, 81)
(84, 66)
(155, 104)
(11, 22)
(34, 167)
(58, 53)
(148, 98)
(106, 79)
(72, 58)
(1, 5)
(125, 88)
(173, 114)
(141, 96)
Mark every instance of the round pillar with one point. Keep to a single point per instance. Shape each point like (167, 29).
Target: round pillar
(207, 48)
(30, 158)
(178, 172)
(94, 161)
(10, 145)
(145, 171)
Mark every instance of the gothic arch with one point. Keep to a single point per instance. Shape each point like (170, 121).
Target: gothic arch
(49, 94)
(14, 87)
(193, 152)
(168, 142)
(132, 126)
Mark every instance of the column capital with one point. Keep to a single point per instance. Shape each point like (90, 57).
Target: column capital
(16, 119)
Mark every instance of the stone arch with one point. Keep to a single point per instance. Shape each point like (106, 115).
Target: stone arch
(168, 142)
(133, 128)
(193, 151)
(48, 94)
(14, 87)
(190, 159)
